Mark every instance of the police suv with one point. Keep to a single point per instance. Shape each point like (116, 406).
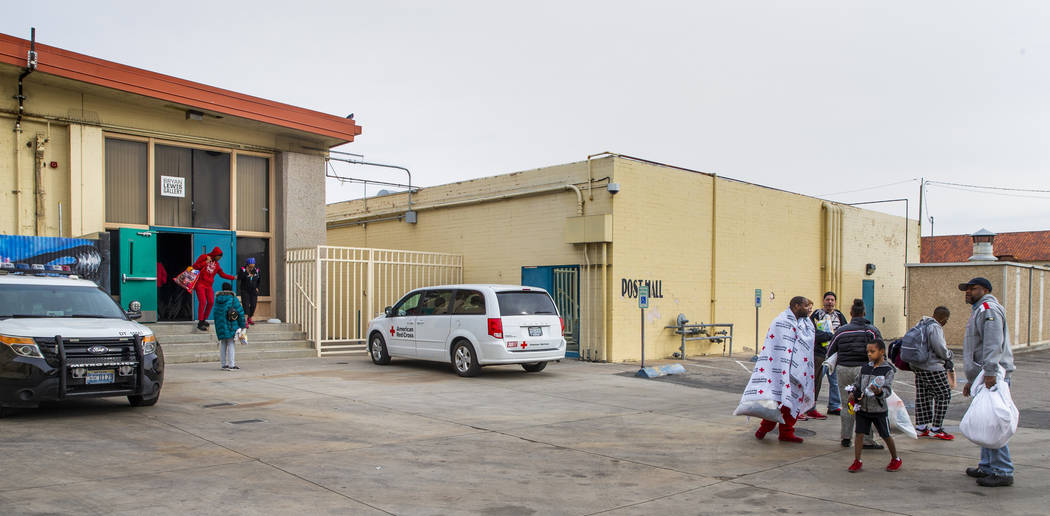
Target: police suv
(62, 337)
(470, 326)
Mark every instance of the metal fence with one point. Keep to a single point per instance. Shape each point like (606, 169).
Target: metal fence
(333, 292)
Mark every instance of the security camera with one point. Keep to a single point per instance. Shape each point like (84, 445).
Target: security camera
(613, 188)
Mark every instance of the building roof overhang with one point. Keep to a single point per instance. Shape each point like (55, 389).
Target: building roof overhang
(79, 67)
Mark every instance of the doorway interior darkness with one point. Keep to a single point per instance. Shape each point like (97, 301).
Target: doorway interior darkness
(175, 254)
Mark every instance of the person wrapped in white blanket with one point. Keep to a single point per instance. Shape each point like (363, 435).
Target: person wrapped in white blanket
(781, 385)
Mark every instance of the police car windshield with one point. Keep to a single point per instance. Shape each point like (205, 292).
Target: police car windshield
(56, 301)
(525, 303)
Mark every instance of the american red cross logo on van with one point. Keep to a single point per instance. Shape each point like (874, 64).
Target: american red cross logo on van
(391, 331)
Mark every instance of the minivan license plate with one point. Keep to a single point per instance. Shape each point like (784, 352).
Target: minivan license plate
(535, 331)
(99, 377)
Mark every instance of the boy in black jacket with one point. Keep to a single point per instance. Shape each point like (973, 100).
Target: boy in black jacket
(868, 398)
(248, 284)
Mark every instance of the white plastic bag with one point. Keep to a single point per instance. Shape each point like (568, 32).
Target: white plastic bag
(900, 421)
(992, 418)
(242, 336)
(831, 362)
(762, 409)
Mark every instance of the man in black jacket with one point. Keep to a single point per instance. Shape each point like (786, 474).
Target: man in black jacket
(826, 320)
(851, 343)
(248, 283)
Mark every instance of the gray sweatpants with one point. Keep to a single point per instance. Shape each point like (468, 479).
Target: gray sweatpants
(848, 375)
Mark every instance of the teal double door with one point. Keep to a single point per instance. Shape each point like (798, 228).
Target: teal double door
(143, 254)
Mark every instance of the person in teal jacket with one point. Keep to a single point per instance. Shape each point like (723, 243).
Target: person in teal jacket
(225, 327)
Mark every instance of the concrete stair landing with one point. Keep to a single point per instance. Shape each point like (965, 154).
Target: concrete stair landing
(183, 342)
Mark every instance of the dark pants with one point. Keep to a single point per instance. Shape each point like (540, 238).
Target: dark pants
(249, 301)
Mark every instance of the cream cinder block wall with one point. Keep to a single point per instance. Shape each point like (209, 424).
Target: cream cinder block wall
(763, 238)
(932, 285)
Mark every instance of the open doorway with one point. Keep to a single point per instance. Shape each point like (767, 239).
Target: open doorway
(174, 254)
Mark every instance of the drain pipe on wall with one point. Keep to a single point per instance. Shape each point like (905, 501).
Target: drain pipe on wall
(31, 61)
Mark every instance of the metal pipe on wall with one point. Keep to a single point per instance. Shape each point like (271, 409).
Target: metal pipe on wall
(714, 244)
(606, 343)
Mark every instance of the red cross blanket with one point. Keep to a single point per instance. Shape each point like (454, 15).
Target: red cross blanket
(783, 374)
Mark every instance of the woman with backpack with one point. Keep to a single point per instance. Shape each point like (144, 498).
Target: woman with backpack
(851, 344)
(208, 265)
(229, 316)
(932, 391)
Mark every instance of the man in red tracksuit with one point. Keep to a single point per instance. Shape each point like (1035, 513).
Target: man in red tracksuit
(209, 266)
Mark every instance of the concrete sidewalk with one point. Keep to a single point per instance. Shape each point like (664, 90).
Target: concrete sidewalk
(343, 436)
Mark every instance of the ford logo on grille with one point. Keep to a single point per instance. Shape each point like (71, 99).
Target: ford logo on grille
(98, 349)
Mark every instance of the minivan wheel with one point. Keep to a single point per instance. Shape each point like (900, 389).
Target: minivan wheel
(534, 368)
(4, 411)
(377, 350)
(464, 360)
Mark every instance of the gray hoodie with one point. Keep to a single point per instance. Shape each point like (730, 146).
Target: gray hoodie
(939, 351)
(987, 343)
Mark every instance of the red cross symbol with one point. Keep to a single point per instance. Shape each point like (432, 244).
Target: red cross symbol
(789, 350)
(760, 391)
(761, 369)
(805, 359)
(771, 336)
(391, 331)
(769, 380)
(770, 359)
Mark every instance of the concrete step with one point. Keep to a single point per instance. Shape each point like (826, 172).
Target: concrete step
(253, 335)
(201, 347)
(190, 328)
(244, 353)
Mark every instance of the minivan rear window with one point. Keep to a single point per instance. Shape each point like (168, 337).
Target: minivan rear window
(525, 303)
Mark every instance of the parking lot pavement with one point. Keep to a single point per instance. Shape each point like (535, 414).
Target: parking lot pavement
(343, 436)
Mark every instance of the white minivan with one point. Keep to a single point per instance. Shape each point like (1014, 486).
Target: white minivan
(470, 326)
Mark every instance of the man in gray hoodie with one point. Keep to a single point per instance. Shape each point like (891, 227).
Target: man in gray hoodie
(932, 393)
(986, 349)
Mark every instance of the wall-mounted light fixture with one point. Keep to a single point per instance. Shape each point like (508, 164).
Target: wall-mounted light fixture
(869, 269)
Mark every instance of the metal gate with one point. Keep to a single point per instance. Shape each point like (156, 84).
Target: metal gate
(566, 293)
(333, 292)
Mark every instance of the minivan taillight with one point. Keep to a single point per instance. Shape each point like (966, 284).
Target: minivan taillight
(496, 328)
(562, 321)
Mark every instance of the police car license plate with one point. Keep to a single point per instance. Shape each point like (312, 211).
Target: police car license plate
(100, 377)
(535, 331)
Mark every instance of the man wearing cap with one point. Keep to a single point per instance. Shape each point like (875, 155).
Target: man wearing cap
(248, 283)
(986, 349)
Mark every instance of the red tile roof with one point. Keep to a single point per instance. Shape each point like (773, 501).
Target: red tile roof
(71, 65)
(1022, 246)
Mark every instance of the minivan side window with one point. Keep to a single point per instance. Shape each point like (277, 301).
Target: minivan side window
(469, 302)
(436, 302)
(408, 305)
(526, 302)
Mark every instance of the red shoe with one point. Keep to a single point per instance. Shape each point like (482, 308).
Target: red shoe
(895, 464)
(924, 432)
(759, 434)
(250, 321)
(790, 438)
(814, 414)
(802, 417)
(855, 467)
(942, 435)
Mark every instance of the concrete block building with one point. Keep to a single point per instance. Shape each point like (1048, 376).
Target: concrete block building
(168, 167)
(592, 232)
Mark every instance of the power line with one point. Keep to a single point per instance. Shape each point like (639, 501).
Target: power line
(869, 188)
(1030, 190)
(1000, 194)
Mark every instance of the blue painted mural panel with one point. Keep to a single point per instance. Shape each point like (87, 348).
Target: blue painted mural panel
(87, 258)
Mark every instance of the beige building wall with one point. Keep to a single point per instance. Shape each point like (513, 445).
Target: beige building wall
(1023, 289)
(662, 233)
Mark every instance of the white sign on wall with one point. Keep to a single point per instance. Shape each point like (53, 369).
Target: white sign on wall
(172, 186)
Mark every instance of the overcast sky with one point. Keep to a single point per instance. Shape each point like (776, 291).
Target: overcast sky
(829, 98)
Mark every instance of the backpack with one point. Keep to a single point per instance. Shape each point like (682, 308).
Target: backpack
(914, 348)
(231, 314)
(894, 352)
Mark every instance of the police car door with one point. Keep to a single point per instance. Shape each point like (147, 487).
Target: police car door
(401, 335)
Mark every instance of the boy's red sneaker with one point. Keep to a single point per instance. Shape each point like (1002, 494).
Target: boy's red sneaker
(814, 414)
(855, 467)
(790, 437)
(895, 464)
(942, 435)
(802, 417)
(925, 432)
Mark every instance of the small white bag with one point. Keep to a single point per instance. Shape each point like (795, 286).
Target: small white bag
(242, 336)
(900, 421)
(831, 362)
(762, 409)
(992, 418)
